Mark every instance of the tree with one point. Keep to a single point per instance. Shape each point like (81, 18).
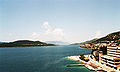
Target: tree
(82, 57)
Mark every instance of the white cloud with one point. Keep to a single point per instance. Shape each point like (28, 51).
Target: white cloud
(47, 27)
(35, 35)
(58, 34)
(98, 34)
(49, 34)
(58, 31)
(53, 34)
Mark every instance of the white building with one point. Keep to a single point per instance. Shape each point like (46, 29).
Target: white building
(112, 59)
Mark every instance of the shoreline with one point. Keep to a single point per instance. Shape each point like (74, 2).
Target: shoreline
(76, 58)
(87, 64)
(91, 64)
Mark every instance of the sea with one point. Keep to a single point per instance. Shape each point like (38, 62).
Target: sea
(41, 59)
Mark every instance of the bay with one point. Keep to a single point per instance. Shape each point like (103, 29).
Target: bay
(40, 59)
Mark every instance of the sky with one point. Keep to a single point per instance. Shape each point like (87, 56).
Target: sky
(58, 20)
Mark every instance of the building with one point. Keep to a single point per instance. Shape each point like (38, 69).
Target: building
(112, 59)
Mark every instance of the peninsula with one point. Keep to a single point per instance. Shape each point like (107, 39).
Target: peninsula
(105, 55)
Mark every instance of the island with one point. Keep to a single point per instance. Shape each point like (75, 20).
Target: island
(24, 43)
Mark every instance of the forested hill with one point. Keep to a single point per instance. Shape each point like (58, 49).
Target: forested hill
(115, 37)
(24, 43)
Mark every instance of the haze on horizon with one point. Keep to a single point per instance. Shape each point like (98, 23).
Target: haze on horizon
(58, 20)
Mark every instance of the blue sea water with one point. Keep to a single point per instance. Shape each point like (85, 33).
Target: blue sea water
(40, 59)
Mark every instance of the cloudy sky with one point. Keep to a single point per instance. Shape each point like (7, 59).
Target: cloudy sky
(62, 20)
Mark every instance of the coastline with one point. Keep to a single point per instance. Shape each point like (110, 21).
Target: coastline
(76, 58)
(91, 65)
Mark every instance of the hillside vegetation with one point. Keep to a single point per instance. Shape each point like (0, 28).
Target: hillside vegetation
(115, 37)
(24, 43)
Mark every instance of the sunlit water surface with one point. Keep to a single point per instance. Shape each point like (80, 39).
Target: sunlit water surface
(40, 59)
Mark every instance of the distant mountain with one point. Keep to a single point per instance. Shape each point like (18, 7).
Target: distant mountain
(89, 41)
(24, 43)
(110, 37)
(57, 42)
(86, 42)
(3, 42)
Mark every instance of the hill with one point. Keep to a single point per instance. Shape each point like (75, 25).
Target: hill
(57, 42)
(112, 39)
(2, 42)
(86, 42)
(115, 37)
(24, 43)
